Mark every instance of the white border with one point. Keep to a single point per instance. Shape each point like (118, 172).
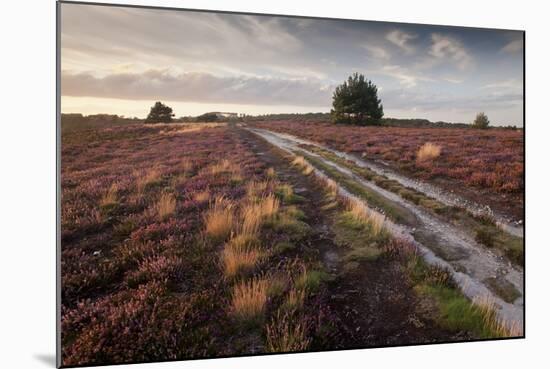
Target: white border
(27, 149)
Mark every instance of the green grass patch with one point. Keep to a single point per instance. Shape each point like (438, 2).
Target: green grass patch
(289, 221)
(311, 280)
(286, 193)
(456, 312)
(283, 247)
(392, 211)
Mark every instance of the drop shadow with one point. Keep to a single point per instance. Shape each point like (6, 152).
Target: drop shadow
(47, 359)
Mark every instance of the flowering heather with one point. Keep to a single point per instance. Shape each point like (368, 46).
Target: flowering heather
(476, 158)
(143, 277)
(138, 280)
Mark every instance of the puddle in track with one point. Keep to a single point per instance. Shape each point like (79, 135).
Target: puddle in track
(440, 243)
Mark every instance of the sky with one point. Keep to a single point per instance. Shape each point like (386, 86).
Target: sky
(121, 60)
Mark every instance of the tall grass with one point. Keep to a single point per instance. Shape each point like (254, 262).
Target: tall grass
(224, 166)
(166, 205)
(286, 333)
(249, 299)
(201, 196)
(110, 197)
(255, 188)
(237, 261)
(428, 151)
(241, 254)
(301, 162)
(219, 220)
(367, 216)
(254, 213)
(150, 177)
(332, 187)
(499, 327)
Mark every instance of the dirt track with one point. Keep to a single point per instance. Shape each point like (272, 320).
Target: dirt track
(472, 265)
(373, 305)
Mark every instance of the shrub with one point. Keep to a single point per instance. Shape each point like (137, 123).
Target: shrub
(481, 121)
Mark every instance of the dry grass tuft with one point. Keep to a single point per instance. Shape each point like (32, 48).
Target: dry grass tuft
(201, 196)
(238, 261)
(488, 308)
(301, 162)
(166, 205)
(186, 165)
(110, 196)
(287, 333)
(219, 220)
(295, 299)
(428, 151)
(152, 176)
(254, 214)
(365, 215)
(249, 299)
(254, 188)
(224, 166)
(271, 173)
(332, 187)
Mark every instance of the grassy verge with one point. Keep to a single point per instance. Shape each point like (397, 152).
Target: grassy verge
(456, 312)
(392, 211)
(366, 241)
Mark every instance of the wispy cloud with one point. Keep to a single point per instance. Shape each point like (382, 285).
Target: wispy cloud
(401, 39)
(406, 78)
(509, 84)
(446, 47)
(513, 47)
(377, 52)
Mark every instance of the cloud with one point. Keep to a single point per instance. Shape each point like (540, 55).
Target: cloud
(509, 84)
(377, 52)
(401, 39)
(198, 87)
(406, 78)
(513, 47)
(445, 47)
(452, 80)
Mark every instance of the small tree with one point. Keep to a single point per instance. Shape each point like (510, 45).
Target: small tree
(356, 102)
(160, 113)
(481, 121)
